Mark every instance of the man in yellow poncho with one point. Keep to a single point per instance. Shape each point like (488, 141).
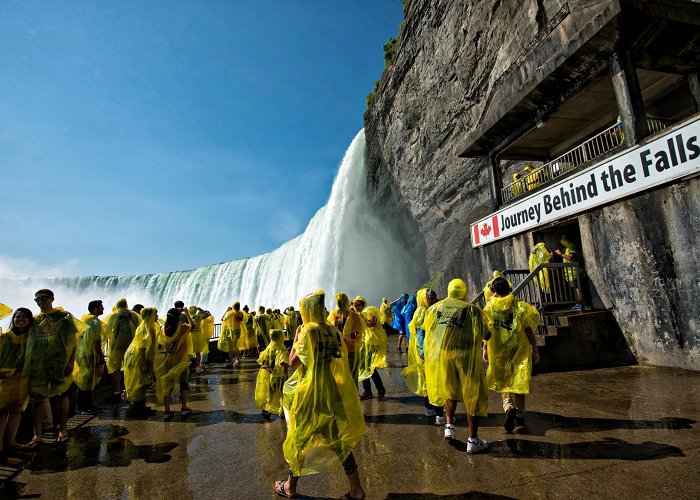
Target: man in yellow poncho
(231, 327)
(351, 325)
(291, 322)
(387, 314)
(247, 341)
(540, 254)
(511, 351)
(122, 324)
(262, 328)
(273, 362)
(49, 362)
(139, 362)
(570, 255)
(324, 418)
(172, 364)
(371, 353)
(202, 331)
(487, 289)
(89, 359)
(454, 331)
(414, 373)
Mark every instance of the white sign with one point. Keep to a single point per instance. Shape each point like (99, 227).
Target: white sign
(674, 155)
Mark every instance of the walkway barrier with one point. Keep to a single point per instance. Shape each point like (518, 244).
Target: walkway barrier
(608, 140)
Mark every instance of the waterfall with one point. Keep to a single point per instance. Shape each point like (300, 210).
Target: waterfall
(345, 247)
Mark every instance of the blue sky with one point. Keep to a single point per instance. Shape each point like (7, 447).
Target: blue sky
(151, 136)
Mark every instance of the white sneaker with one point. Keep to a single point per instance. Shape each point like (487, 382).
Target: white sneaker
(476, 445)
(429, 412)
(449, 431)
(199, 369)
(439, 420)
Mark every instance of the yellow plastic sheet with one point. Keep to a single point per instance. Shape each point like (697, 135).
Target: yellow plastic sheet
(509, 350)
(454, 332)
(321, 405)
(5, 311)
(387, 313)
(414, 374)
(262, 328)
(291, 323)
(272, 374)
(13, 384)
(540, 254)
(231, 329)
(247, 338)
(487, 289)
(352, 327)
(122, 325)
(172, 363)
(136, 380)
(202, 331)
(372, 349)
(86, 371)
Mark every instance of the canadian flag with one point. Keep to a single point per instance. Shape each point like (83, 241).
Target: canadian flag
(485, 230)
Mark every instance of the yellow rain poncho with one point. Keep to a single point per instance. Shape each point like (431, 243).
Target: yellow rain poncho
(5, 311)
(272, 375)
(49, 349)
(570, 255)
(414, 374)
(86, 371)
(262, 328)
(247, 339)
(231, 329)
(487, 289)
(540, 254)
(291, 323)
(386, 313)
(509, 350)
(122, 324)
(172, 363)
(137, 381)
(352, 327)
(13, 385)
(372, 349)
(202, 331)
(454, 332)
(321, 405)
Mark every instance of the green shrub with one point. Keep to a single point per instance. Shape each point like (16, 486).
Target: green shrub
(389, 49)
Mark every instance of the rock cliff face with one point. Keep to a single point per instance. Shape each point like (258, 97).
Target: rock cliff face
(641, 255)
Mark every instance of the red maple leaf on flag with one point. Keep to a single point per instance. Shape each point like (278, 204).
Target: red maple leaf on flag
(485, 230)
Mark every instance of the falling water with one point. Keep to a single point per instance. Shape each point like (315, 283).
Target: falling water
(344, 248)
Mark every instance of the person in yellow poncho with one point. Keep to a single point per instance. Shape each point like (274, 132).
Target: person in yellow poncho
(512, 350)
(273, 362)
(371, 353)
(540, 254)
(414, 373)
(122, 324)
(202, 331)
(172, 364)
(351, 325)
(262, 328)
(49, 362)
(139, 362)
(231, 328)
(323, 413)
(13, 384)
(247, 341)
(387, 315)
(454, 332)
(570, 255)
(89, 359)
(291, 322)
(487, 289)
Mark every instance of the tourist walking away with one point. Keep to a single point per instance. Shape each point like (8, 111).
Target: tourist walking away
(89, 358)
(407, 312)
(139, 362)
(372, 353)
(122, 324)
(323, 413)
(570, 255)
(454, 332)
(172, 364)
(262, 328)
(511, 351)
(230, 333)
(202, 331)
(351, 325)
(414, 373)
(273, 361)
(387, 316)
(13, 382)
(398, 320)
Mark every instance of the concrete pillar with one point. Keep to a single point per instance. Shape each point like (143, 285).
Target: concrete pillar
(495, 182)
(629, 98)
(694, 84)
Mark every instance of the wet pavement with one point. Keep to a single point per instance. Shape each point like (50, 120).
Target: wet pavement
(609, 433)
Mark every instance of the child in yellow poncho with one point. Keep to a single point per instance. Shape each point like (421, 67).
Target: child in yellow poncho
(372, 353)
(273, 362)
(324, 418)
(511, 350)
(139, 361)
(172, 361)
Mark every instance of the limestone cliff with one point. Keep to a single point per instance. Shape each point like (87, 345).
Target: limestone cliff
(453, 57)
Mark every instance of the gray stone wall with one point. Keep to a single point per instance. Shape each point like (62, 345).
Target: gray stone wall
(641, 255)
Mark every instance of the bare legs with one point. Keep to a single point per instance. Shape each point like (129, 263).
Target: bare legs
(473, 421)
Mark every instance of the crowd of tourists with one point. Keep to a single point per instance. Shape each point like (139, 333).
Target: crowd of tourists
(311, 362)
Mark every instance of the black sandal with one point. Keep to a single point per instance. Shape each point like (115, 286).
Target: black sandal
(278, 486)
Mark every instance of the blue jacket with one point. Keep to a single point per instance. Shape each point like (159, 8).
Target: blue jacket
(407, 312)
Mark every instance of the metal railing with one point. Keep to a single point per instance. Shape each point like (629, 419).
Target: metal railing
(609, 139)
(217, 331)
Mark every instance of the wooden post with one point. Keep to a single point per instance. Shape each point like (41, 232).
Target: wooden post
(629, 98)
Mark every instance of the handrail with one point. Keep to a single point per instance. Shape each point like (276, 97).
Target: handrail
(601, 143)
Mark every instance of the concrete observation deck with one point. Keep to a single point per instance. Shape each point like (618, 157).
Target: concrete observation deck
(609, 433)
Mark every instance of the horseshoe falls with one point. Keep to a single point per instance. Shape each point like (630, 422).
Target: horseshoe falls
(344, 248)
